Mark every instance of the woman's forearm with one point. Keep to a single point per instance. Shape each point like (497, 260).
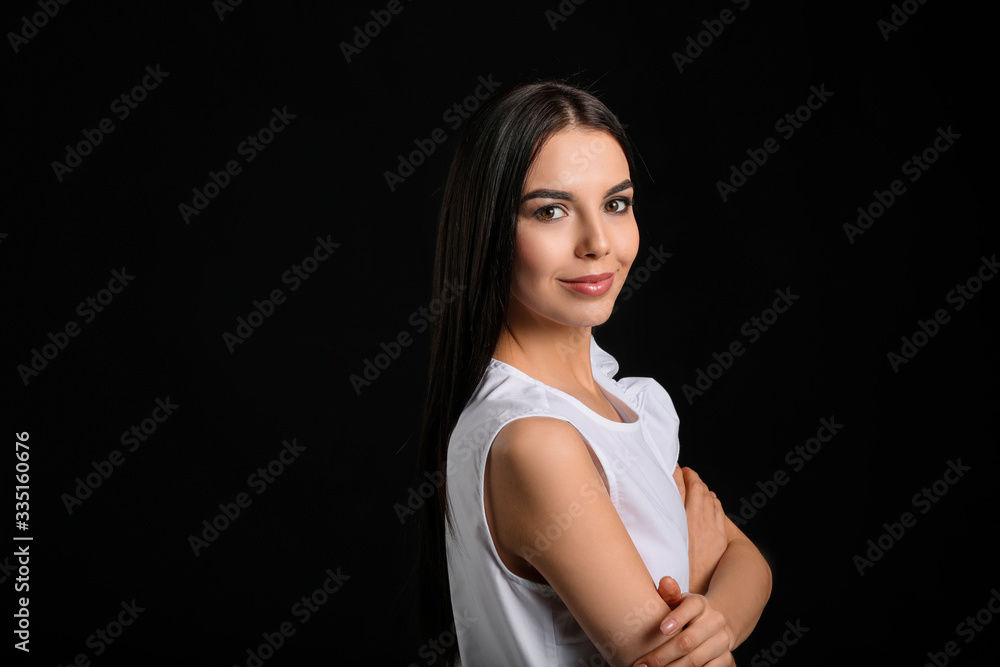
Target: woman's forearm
(740, 588)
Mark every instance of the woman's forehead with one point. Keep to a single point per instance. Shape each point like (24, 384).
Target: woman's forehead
(578, 156)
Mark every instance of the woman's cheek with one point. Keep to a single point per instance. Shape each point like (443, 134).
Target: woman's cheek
(528, 261)
(535, 253)
(630, 244)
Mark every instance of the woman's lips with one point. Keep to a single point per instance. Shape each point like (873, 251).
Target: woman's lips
(593, 285)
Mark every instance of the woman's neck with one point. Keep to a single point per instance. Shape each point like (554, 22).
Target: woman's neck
(556, 355)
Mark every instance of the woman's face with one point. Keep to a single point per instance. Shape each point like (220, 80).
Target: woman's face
(576, 234)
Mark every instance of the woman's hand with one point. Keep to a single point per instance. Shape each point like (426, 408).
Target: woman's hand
(707, 539)
(694, 628)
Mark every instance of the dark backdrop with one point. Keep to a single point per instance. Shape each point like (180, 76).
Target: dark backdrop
(106, 545)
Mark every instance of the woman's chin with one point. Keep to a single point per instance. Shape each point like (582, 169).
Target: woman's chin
(596, 315)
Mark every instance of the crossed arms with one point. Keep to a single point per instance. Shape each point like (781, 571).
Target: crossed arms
(541, 466)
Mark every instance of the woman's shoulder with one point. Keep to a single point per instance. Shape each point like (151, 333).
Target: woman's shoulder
(503, 395)
(507, 386)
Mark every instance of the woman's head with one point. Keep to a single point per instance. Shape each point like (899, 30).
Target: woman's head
(498, 157)
(576, 234)
(565, 151)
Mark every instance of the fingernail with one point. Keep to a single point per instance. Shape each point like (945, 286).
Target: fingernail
(668, 627)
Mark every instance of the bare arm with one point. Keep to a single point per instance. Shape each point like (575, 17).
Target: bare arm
(539, 468)
(725, 565)
(726, 568)
(741, 585)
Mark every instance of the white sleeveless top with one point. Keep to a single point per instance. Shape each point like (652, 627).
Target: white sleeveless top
(503, 619)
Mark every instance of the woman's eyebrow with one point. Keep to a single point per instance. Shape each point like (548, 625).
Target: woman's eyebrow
(562, 194)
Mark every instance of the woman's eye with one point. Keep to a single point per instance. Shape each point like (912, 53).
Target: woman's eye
(550, 213)
(619, 205)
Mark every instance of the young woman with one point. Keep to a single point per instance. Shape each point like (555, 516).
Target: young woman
(562, 504)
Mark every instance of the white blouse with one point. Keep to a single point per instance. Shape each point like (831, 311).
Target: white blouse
(503, 619)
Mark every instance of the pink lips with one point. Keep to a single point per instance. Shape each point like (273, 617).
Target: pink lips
(594, 285)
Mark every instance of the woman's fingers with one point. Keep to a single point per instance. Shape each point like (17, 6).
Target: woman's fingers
(694, 490)
(714, 647)
(686, 611)
(670, 591)
(693, 481)
(679, 481)
(695, 634)
(713, 652)
(720, 514)
(707, 537)
(725, 660)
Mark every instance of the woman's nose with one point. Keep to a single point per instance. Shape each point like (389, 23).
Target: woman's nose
(594, 240)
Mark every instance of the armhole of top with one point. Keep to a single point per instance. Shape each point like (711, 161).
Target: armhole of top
(607, 476)
(545, 589)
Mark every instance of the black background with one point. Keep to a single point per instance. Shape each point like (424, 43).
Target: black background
(323, 176)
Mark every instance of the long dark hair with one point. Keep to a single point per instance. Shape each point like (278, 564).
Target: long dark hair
(475, 249)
